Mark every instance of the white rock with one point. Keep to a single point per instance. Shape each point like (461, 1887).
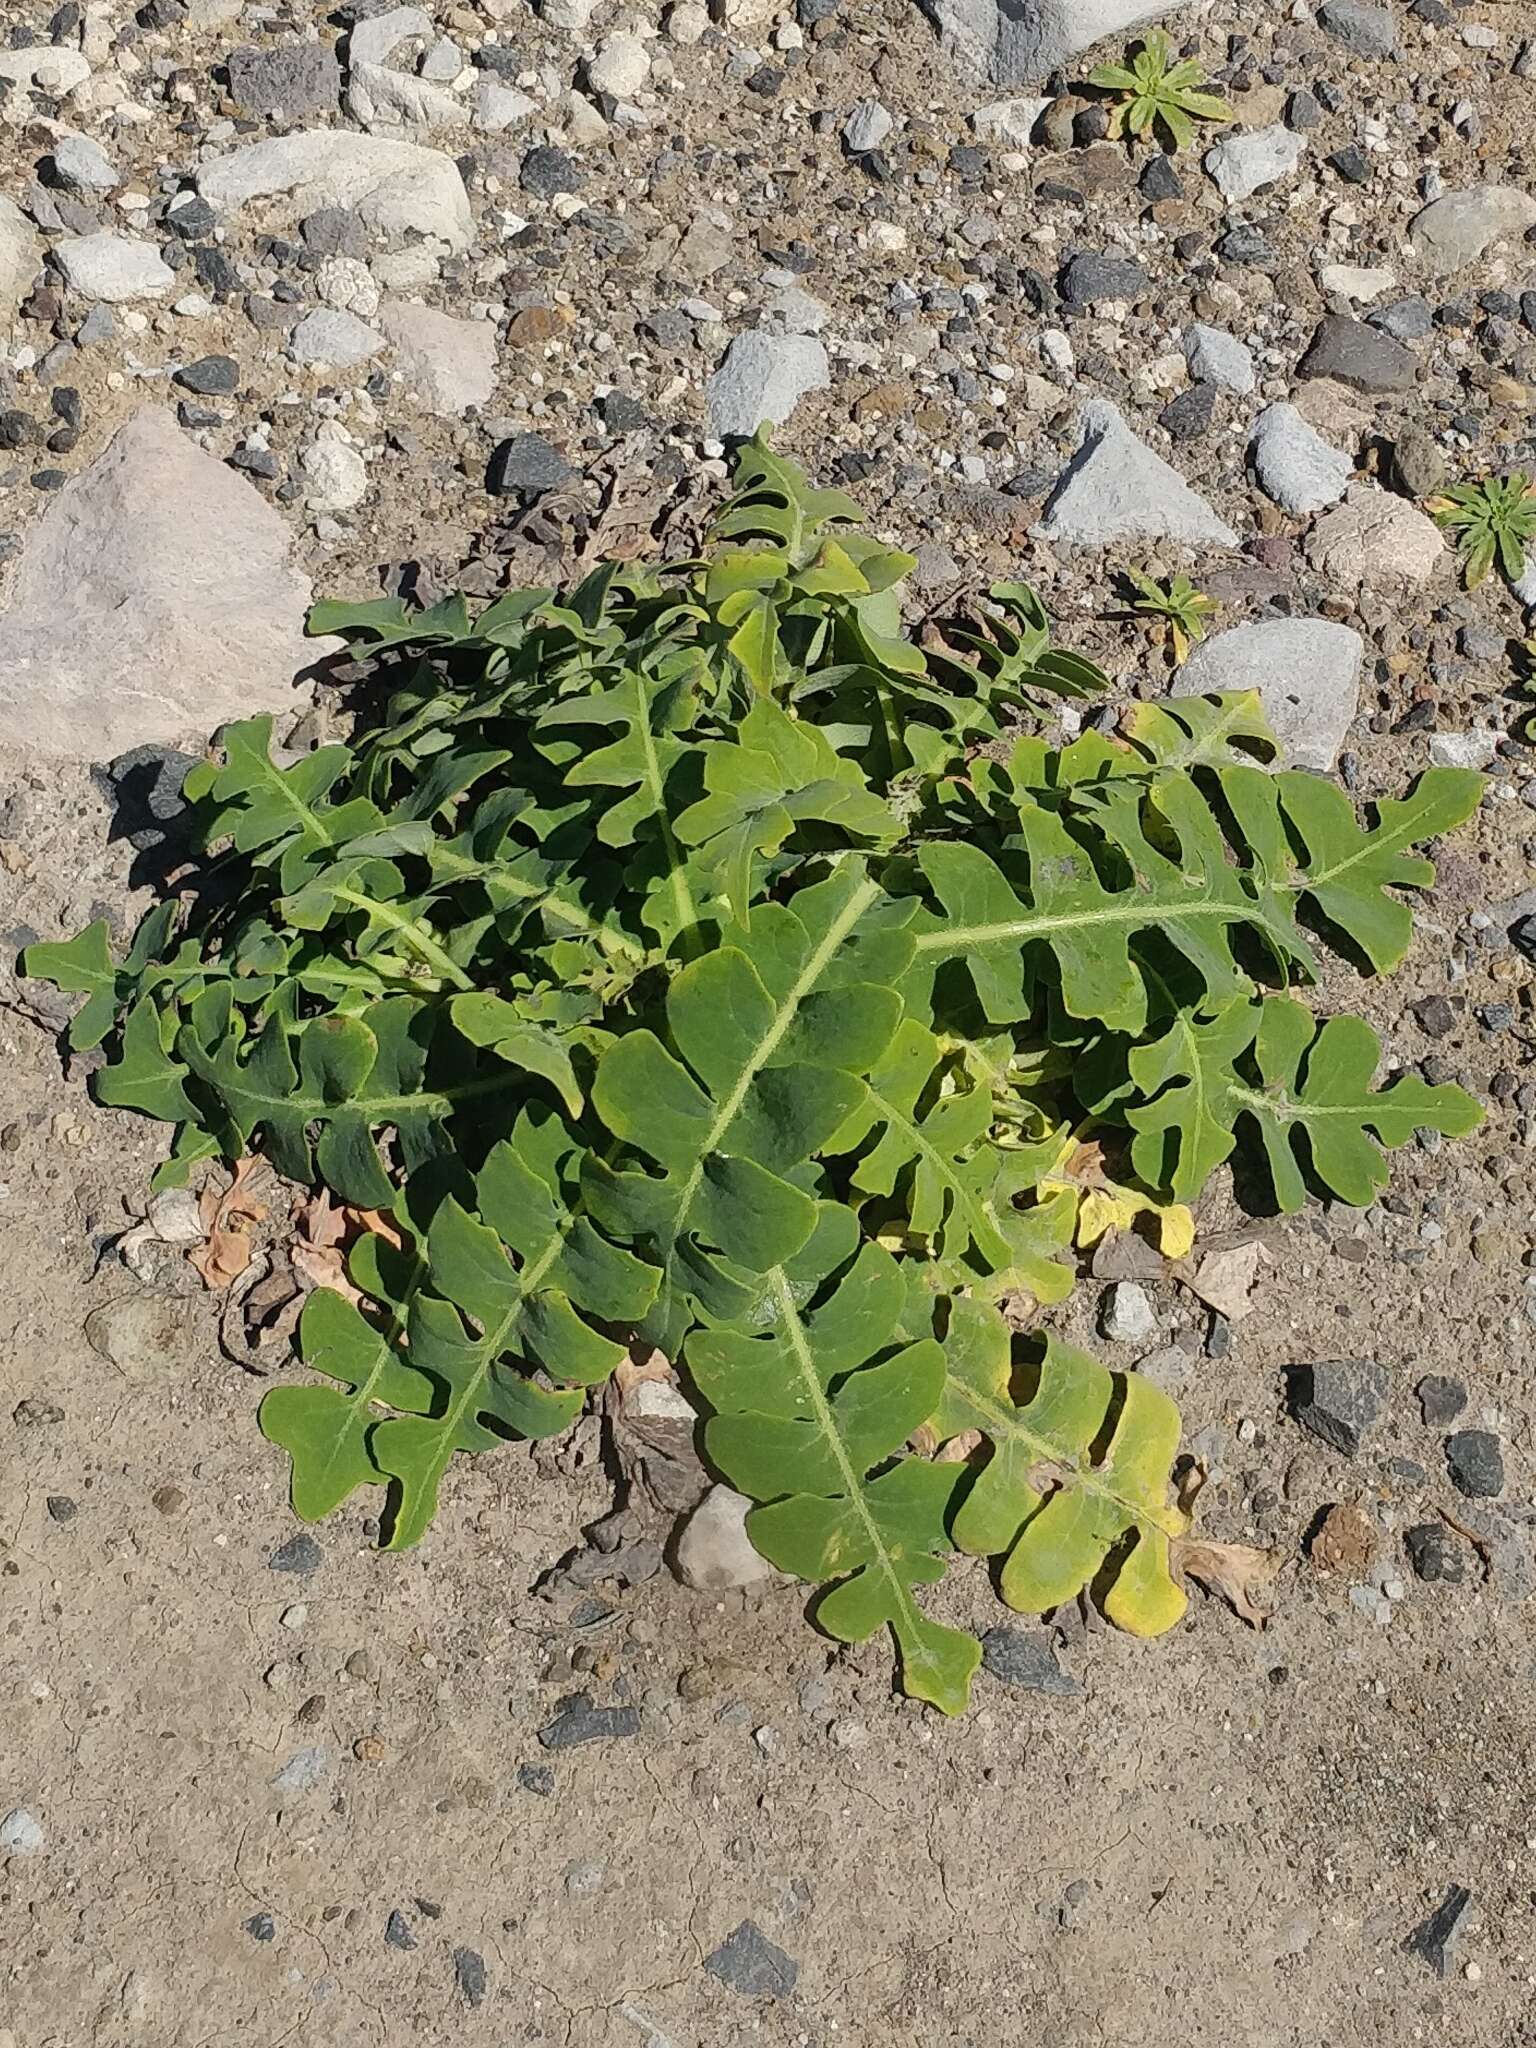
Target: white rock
(1353, 282)
(47, 66)
(443, 62)
(375, 38)
(866, 128)
(1215, 357)
(21, 1833)
(1128, 1316)
(1010, 121)
(688, 23)
(382, 98)
(714, 1551)
(1376, 538)
(1524, 585)
(113, 268)
(1295, 466)
(621, 67)
(764, 377)
(1115, 488)
(795, 311)
(347, 283)
(1241, 165)
(83, 165)
(450, 364)
(403, 271)
(498, 106)
(21, 256)
(326, 339)
(156, 597)
(1017, 41)
(1459, 227)
(570, 15)
(1464, 749)
(1307, 674)
(334, 476)
(584, 122)
(394, 187)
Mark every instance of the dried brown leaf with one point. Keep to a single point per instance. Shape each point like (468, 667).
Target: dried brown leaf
(1241, 1574)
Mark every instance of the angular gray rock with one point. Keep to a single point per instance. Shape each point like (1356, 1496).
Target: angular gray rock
(866, 127)
(1460, 226)
(113, 268)
(1368, 31)
(1241, 165)
(1378, 539)
(21, 256)
(764, 377)
(332, 340)
(1017, 41)
(394, 187)
(1115, 488)
(1009, 121)
(1341, 1401)
(450, 364)
(1307, 674)
(1362, 357)
(21, 1833)
(155, 599)
(714, 1552)
(1215, 357)
(83, 165)
(292, 80)
(1295, 466)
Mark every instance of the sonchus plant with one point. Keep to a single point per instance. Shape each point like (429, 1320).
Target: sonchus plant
(691, 959)
(1492, 521)
(1154, 92)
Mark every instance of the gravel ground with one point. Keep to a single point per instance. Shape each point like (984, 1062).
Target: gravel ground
(259, 1792)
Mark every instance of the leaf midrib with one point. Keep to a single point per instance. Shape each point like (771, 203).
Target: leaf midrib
(998, 1421)
(911, 1616)
(768, 1045)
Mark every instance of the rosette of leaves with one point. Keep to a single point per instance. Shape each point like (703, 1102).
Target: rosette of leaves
(692, 958)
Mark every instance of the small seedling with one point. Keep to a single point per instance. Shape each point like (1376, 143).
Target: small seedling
(1155, 92)
(1493, 521)
(1177, 610)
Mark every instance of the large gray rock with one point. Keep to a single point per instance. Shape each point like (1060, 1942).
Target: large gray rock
(450, 364)
(714, 1551)
(1295, 466)
(83, 165)
(1115, 488)
(1459, 227)
(331, 339)
(290, 81)
(1367, 30)
(1241, 165)
(21, 257)
(113, 268)
(1363, 357)
(1378, 539)
(764, 377)
(1017, 41)
(394, 187)
(156, 598)
(1307, 674)
(1215, 357)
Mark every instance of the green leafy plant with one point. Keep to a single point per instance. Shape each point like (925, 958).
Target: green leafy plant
(1492, 520)
(1176, 609)
(689, 959)
(1153, 91)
